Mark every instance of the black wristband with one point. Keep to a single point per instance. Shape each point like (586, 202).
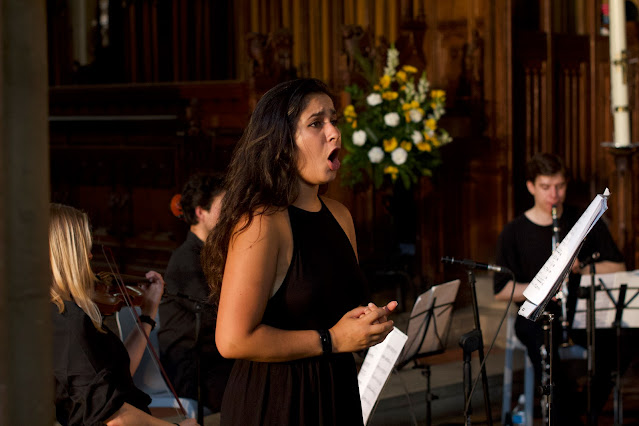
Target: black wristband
(325, 340)
(147, 319)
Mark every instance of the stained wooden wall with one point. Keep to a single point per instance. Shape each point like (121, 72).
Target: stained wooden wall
(561, 75)
(520, 76)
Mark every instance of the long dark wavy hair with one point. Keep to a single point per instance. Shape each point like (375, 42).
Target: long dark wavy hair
(262, 177)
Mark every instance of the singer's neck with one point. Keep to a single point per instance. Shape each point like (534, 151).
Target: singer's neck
(541, 216)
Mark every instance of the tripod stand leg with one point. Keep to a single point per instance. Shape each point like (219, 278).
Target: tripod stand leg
(426, 373)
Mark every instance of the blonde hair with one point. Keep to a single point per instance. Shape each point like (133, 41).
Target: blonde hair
(69, 246)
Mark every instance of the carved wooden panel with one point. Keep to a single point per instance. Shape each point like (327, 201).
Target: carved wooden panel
(121, 152)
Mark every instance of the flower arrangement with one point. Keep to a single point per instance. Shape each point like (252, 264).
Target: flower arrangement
(391, 130)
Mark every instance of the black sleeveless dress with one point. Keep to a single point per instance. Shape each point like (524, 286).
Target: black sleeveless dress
(323, 282)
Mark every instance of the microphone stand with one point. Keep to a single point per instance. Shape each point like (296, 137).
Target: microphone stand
(470, 342)
(198, 363)
(198, 306)
(590, 343)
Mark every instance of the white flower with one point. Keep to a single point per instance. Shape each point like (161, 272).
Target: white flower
(391, 119)
(415, 115)
(444, 137)
(423, 85)
(359, 138)
(392, 61)
(409, 89)
(376, 154)
(374, 99)
(399, 156)
(417, 137)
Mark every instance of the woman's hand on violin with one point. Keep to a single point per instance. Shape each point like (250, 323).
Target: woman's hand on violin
(361, 328)
(153, 291)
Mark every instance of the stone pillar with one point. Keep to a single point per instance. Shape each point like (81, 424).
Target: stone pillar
(26, 390)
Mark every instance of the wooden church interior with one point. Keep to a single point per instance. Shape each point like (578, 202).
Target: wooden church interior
(144, 93)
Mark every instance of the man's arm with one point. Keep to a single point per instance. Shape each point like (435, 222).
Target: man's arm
(518, 296)
(604, 267)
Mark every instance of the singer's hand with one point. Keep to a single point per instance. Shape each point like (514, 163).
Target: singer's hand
(389, 308)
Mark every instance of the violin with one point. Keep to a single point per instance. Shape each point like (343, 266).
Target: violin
(110, 298)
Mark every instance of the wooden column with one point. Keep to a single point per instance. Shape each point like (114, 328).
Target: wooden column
(26, 391)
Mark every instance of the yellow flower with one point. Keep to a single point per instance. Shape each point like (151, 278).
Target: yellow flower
(436, 142)
(409, 69)
(414, 104)
(391, 170)
(424, 146)
(406, 106)
(400, 76)
(349, 111)
(431, 123)
(407, 115)
(438, 94)
(403, 88)
(389, 96)
(390, 144)
(385, 81)
(349, 120)
(406, 145)
(376, 87)
(355, 124)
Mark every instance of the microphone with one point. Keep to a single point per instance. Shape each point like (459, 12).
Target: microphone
(590, 259)
(471, 264)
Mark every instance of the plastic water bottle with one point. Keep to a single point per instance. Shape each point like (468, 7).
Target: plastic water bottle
(519, 412)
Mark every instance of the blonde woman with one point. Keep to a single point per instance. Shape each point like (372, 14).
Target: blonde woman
(92, 367)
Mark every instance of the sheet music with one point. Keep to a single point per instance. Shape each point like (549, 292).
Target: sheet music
(547, 281)
(377, 366)
(604, 308)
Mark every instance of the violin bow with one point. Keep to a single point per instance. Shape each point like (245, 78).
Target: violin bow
(113, 267)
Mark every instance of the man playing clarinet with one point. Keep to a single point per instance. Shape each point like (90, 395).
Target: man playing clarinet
(525, 244)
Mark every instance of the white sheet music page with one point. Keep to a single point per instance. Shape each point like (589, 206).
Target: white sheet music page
(377, 366)
(545, 284)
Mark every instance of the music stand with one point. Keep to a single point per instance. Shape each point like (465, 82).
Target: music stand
(428, 327)
(618, 308)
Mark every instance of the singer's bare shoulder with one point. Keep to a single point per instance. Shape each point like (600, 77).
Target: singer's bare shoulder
(344, 218)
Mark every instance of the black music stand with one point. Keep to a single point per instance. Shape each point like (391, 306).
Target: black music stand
(619, 308)
(428, 328)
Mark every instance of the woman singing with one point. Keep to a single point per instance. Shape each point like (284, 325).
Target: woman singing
(283, 261)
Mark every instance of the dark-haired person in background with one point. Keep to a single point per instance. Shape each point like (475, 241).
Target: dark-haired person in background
(200, 202)
(526, 243)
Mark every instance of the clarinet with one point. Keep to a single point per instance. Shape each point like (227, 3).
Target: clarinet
(563, 293)
(546, 347)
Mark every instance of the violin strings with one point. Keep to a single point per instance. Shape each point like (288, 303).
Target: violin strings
(113, 267)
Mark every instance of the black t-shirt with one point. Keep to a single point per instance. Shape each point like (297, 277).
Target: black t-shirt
(91, 370)
(524, 246)
(176, 334)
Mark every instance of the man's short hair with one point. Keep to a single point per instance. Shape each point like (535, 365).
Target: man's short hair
(545, 164)
(200, 190)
